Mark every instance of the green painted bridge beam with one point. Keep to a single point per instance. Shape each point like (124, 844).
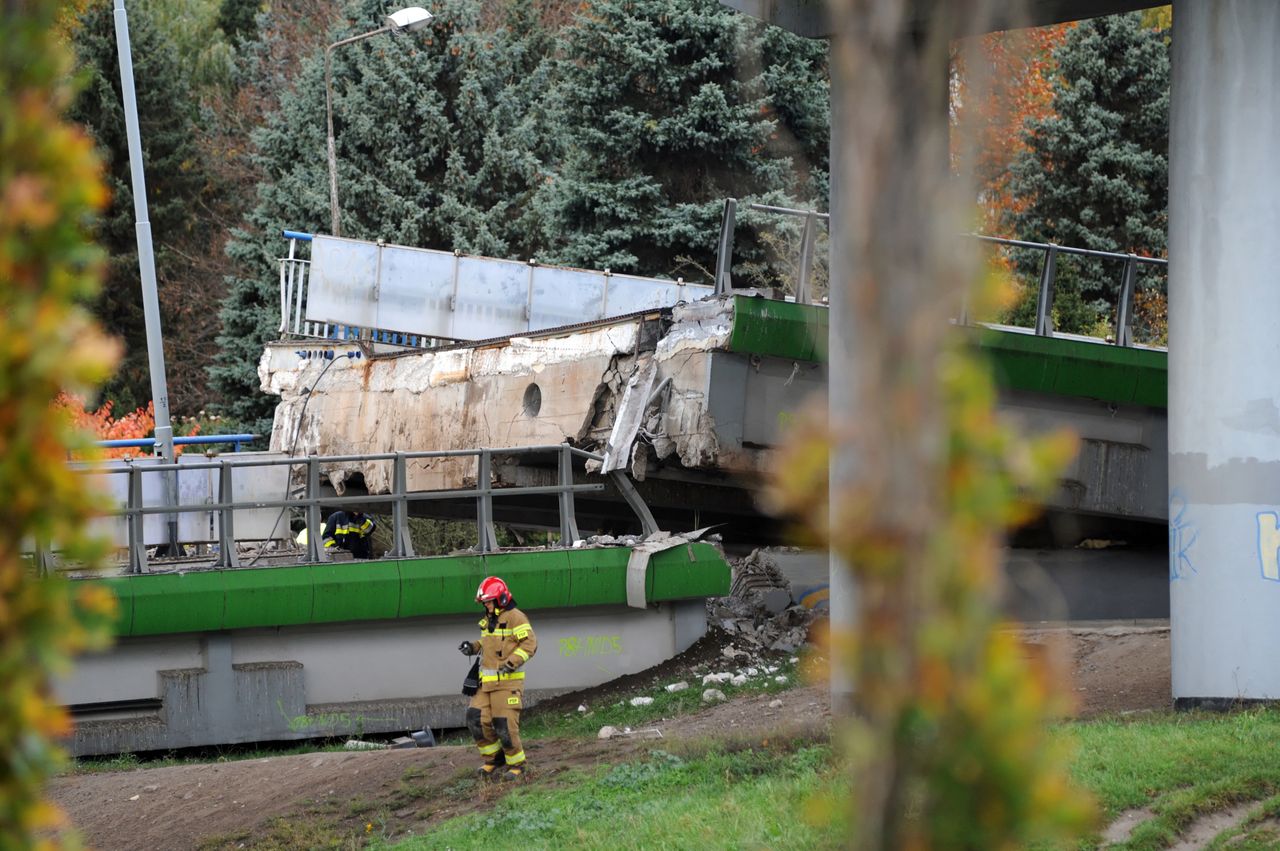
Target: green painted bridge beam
(216, 600)
(1058, 365)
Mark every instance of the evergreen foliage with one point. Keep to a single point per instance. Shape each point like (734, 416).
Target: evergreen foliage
(238, 20)
(1095, 174)
(611, 143)
(175, 180)
(440, 143)
(669, 107)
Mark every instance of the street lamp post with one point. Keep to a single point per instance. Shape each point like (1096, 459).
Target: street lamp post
(404, 21)
(147, 267)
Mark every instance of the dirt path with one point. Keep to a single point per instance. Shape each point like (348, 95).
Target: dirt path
(221, 805)
(334, 799)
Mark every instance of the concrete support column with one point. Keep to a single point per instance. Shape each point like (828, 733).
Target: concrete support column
(1224, 388)
(841, 398)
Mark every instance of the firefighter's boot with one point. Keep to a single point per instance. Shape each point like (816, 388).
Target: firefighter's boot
(514, 773)
(492, 767)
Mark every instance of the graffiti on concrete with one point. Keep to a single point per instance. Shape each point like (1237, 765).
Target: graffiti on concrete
(332, 721)
(1182, 537)
(1269, 545)
(594, 645)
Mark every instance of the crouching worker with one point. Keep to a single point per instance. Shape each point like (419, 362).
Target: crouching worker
(352, 532)
(506, 643)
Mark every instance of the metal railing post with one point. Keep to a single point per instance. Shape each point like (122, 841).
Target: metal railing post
(724, 251)
(43, 559)
(528, 299)
(484, 503)
(568, 513)
(807, 239)
(315, 525)
(134, 522)
(227, 556)
(299, 298)
(1044, 302)
(401, 540)
(1124, 310)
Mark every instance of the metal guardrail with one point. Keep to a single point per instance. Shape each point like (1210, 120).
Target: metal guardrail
(1123, 325)
(399, 497)
(808, 241)
(237, 440)
(1123, 335)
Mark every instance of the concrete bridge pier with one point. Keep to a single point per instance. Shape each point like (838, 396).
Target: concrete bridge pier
(1224, 394)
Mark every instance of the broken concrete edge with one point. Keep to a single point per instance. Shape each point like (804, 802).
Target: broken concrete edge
(595, 389)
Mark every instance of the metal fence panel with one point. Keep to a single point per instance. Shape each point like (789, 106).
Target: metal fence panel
(341, 289)
(492, 295)
(195, 487)
(439, 294)
(415, 291)
(566, 296)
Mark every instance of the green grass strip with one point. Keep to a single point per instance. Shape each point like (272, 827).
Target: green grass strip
(1182, 766)
(718, 800)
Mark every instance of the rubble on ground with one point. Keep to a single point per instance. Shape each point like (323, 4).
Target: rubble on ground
(761, 609)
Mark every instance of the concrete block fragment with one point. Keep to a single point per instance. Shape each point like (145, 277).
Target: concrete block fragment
(607, 732)
(357, 745)
(675, 687)
(712, 695)
(641, 701)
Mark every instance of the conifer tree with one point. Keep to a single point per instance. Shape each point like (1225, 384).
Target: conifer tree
(440, 144)
(1095, 174)
(667, 113)
(175, 179)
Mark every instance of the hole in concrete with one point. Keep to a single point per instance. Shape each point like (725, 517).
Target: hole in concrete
(532, 400)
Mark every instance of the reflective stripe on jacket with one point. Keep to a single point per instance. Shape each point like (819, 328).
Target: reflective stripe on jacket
(340, 525)
(511, 638)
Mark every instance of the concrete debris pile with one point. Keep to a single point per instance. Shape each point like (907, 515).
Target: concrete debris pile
(761, 609)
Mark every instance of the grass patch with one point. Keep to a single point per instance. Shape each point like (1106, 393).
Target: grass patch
(1182, 766)
(758, 798)
(618, 711)
(292, 834)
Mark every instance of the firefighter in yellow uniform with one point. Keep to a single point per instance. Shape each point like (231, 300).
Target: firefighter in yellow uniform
(506, 643)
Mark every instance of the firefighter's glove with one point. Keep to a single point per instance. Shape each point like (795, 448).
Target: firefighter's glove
(466, 649)
(509, 665)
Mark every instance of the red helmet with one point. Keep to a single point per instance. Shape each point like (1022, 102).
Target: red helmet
(493, 588)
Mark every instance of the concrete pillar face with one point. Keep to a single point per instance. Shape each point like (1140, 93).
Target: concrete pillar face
(1224, 347)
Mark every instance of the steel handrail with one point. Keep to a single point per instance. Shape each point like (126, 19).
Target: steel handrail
(399, 498)
(1123, 326)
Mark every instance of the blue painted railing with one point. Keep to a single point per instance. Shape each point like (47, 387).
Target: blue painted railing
(236, 440)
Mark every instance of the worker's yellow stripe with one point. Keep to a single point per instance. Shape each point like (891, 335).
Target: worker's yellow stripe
(522, 631)
(522, 654)
(330, 543)
(516, 758)
(493, 678)
(502, 632)
(489, 750)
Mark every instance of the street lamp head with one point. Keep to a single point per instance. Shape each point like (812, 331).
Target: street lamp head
(408, 20)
